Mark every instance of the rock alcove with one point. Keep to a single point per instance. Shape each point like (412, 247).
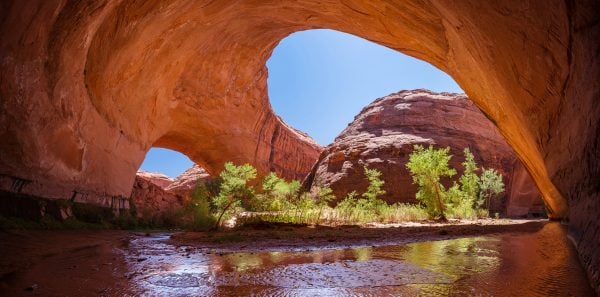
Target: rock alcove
(89, 86)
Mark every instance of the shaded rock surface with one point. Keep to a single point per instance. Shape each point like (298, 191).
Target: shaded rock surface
(522, 196)
(151, 200)
(154, 194)
(383, 134)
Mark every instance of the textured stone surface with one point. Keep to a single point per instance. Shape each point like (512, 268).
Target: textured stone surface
(154, 193)
(186, 181)
(383, 134)
(522, 196)
(156, 178)
(89, 86)
(150, 200)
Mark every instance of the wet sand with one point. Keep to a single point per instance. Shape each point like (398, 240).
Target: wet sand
(530, 259)
(289, 238)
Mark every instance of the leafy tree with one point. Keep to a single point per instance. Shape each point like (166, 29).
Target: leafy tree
(292, 190)
(233, 190)
(347, 205)
(277, 193)
(469, 181)
(198, 208)
(461, 197)
(375, 183)
(460, 204)
(427, 167)
(271, 183)
(490, 185)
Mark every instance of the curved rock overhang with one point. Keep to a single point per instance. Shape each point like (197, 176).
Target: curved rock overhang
(89, 86)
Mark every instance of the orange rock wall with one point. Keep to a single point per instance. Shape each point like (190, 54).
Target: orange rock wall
(383, 134)
(151, 200)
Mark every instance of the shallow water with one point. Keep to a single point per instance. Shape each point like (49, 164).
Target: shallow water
(543, 263)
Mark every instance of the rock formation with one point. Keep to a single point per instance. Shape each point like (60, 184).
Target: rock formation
(187, 181)
(155, 194)
(383, 135)
(156, 178)
(88, 87)
(522, 197)
(150, 200)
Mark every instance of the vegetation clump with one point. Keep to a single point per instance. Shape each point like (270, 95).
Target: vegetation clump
(464, 199)
(427, 167)
(279, 201)
(231, 196)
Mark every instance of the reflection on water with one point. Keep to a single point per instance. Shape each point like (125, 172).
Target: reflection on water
(537, 264)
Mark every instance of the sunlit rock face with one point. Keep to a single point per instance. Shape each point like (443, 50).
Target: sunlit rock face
(384, 133)
(89, 86)
(156, 178)
(187, 181)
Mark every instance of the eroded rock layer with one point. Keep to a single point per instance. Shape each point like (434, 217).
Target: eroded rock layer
(87, 87)
(383, 134)
(156, 178)
(155, 194)
(187, 181)
(149, 200)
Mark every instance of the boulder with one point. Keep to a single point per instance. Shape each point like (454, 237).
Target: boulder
(384, 133)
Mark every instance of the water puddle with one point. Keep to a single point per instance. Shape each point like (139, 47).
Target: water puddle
(536, 264)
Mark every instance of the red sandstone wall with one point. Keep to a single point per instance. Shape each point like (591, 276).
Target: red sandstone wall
(382, 136)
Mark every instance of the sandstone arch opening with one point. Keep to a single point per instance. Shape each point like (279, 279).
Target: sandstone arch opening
(145, 85)
(165, 161)
(171, 171)
(164, 183)
(320, 80)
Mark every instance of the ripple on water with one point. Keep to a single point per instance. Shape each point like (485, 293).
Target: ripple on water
(536, 264)
(344, 274)
(177, 280)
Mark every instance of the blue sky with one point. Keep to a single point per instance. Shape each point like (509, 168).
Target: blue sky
(320, 79)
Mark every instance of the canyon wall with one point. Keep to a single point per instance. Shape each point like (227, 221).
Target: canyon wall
(155, 194)
(87, 87)
(384, 133)
(149, 200)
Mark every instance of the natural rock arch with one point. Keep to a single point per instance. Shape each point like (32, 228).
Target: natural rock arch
(89, 86)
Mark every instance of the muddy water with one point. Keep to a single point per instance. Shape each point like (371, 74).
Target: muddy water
(538, 264)
(541, 263)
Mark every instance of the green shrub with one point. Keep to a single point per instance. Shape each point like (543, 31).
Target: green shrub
(469, 181)
(197, 211)
(490, 185)
(374, 190)
(234, 192)
(464, 199)
(277, 194)
(427, 167)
